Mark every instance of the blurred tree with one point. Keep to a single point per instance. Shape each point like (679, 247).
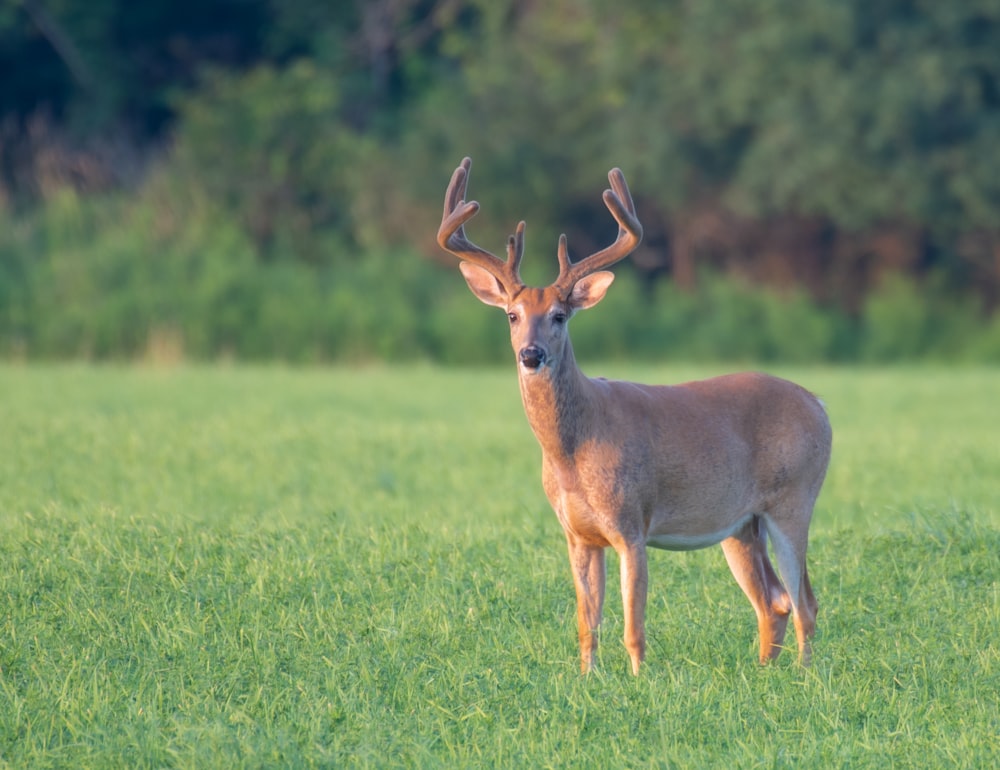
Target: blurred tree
(825, 144)
(270, 148)
(379, 49)
(102, 62)
(822, 143)
(532, 92)
(87, 88)
(873, 116)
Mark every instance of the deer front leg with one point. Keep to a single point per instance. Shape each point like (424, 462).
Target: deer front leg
(587, 562)
(635, 582)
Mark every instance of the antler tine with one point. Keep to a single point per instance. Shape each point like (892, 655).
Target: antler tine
(452, 238)
(619, 202)
(515, 250)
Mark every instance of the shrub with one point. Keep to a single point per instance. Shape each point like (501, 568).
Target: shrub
(724, 320)
(905, 321)
(269, 148)
(172, 273)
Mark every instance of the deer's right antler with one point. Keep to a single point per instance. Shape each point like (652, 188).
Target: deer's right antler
(452, 238)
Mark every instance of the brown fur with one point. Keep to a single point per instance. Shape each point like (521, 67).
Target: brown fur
(729, 460)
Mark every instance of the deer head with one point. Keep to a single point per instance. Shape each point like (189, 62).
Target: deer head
(538, 316)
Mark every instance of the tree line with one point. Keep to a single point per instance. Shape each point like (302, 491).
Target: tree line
(817, 179)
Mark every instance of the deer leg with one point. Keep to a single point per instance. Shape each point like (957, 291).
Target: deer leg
(635, 581)
(790, 550)
(589, 572)
(746, 552)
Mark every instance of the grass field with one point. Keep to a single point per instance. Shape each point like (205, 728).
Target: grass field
(238, 567)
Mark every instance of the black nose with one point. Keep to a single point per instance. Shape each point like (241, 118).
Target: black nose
(532, 357)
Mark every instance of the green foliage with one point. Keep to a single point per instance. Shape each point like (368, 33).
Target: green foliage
(237, 567)
(116, 273)
(100, 64)
(123, 278)
(737, 322)
(985, 345)
(855, 111)
(281, 185)
(905, 321)
(268, 147)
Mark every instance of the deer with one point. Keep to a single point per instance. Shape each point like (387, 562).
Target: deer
(735, 460)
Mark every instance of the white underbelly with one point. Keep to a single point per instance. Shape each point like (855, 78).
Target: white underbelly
(691, 542)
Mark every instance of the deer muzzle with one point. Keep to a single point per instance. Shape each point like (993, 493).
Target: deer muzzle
(532, 357)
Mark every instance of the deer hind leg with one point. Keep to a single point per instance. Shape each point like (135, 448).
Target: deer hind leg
(790, 541)
(589, 572)
(746, 553)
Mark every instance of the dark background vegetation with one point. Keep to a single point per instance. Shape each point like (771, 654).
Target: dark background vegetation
(261, 179)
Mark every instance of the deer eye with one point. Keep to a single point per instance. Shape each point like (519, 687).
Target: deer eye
(559, 317)
(512, 317)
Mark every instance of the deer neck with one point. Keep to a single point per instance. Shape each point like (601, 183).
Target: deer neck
(558, 402)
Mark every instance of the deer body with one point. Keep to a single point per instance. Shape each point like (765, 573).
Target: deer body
(730, 460)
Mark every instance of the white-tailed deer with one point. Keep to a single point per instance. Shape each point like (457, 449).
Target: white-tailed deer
(730, 460)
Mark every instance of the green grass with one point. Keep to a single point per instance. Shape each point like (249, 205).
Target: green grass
(231, 567)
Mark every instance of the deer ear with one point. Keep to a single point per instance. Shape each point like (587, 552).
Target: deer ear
(590, 290)
(484, 285)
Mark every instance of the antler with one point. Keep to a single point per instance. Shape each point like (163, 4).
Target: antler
(458, 211)
(451, 234)
(619, 202)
